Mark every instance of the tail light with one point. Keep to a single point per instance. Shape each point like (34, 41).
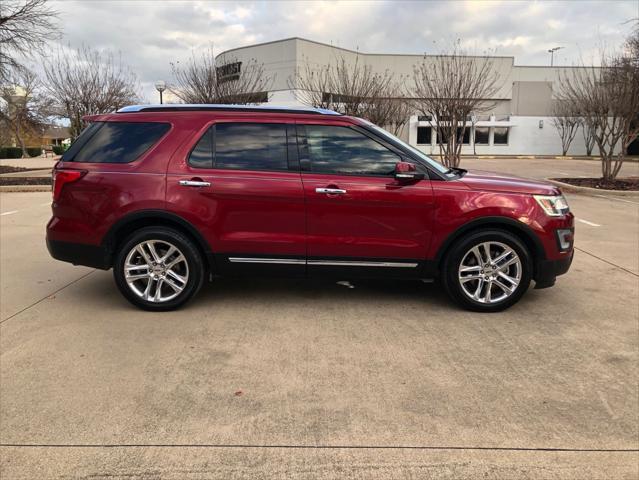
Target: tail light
(62, 177)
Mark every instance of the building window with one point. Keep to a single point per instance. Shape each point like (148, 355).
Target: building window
(481, 135)
(425, 118)
(500, 136)
(254, 97)
(424, 135)
(466, 135)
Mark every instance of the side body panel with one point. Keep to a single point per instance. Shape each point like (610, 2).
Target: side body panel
(251, 219)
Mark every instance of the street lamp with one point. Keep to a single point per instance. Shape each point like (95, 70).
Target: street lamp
(552, 54)
(160, 86)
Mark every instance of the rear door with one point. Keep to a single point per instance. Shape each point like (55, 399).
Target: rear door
(360, 220)
(239, 182)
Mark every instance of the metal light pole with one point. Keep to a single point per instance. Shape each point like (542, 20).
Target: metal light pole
(552, 54)
(160, 86)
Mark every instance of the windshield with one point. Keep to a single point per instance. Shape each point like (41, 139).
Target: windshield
(432, 163)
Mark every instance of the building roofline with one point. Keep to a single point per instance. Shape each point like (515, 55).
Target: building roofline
(226, 52)
(350, 50)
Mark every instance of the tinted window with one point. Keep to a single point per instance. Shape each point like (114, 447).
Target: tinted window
(79, 142)
(202, 155)
(251, 146)
(424, 135)
(463, 137)
(481, 135)
(346, 151)
(500, 136)
(120, 142)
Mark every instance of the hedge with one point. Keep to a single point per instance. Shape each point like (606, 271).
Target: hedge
(58, 149)
(16, 152)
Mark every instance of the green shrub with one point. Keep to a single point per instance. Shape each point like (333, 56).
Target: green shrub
(10, 152)
(58, 149)
(34, 151)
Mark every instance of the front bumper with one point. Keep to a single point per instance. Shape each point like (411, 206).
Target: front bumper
(547, 271)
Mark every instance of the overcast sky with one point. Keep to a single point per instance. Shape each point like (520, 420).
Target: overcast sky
(150, 34)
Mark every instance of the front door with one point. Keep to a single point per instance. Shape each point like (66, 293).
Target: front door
(360, 219)
(239, 183)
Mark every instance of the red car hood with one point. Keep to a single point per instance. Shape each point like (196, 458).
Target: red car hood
(499, 182)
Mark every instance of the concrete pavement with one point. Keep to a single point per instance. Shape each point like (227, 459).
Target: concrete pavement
(289, 379)
(35, 162)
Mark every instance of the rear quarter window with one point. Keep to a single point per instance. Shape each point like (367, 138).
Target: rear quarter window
(115, 142)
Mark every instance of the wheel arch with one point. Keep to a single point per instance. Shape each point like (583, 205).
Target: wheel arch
(521, 230)
(128, 224)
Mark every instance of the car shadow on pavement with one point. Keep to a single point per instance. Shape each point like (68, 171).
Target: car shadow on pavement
(99, 288)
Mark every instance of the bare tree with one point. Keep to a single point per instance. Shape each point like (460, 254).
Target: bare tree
(589, 136)
(567, 122)
(353, 88)
(202, 80)
(608, 100)
(24, 109)
(452, 86)
(88, 82)
(25, 28)
(391, 112)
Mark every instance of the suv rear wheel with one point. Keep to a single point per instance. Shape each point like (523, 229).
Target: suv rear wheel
(487, 271)
(158, 268)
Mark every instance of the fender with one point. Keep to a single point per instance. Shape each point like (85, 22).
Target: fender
(143, 218)
(509, 224)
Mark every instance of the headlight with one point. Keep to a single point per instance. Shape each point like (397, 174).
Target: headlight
(555, 206)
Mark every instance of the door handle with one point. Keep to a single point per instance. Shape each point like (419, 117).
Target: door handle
(330, 191)
(194, 183)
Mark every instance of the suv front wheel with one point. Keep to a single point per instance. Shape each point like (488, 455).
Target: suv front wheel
(158, 268)
(487, 271)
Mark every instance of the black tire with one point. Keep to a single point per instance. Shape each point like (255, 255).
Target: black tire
(455, 255)
(194, 262)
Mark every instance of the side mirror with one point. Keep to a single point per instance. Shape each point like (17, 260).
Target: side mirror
(407, 172)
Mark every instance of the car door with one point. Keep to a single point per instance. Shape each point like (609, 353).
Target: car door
(360, 219)
(239, 183)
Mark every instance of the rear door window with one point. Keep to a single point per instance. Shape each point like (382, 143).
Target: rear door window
(202, 154)
(115, 142)
(251, 146)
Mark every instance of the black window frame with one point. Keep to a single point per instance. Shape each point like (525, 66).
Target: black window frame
(306, 164)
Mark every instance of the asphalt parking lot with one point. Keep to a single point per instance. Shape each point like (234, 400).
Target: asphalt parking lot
(312, 379)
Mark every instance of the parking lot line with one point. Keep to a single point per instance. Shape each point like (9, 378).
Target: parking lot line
(617, 198)
(592, 224)
(8, 213)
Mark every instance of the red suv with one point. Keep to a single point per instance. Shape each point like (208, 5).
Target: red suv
(172, 195)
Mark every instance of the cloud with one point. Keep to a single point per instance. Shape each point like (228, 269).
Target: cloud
(151, 34)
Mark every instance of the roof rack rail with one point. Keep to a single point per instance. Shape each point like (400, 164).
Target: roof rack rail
(224, 108)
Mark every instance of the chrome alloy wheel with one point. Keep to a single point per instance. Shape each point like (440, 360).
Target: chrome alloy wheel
(156, 271)
(490, 272)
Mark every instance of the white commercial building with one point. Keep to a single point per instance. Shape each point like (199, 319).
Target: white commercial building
(519, 124)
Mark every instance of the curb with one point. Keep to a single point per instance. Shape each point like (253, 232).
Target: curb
(567, 187)
(25, 188)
